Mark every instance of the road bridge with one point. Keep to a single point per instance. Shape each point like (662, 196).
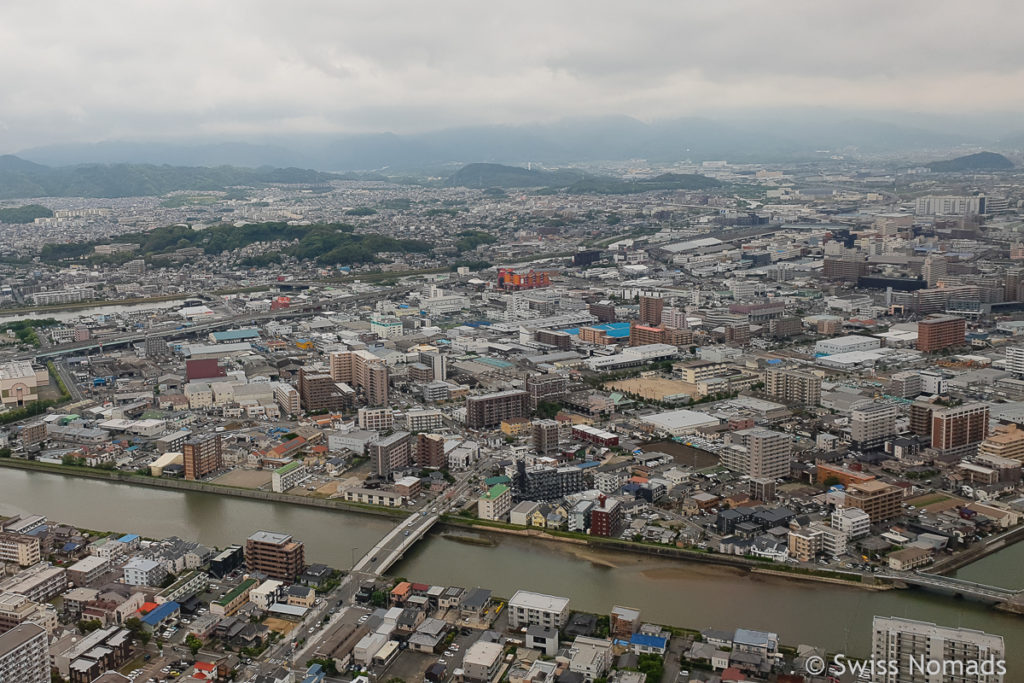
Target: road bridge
(957, 587)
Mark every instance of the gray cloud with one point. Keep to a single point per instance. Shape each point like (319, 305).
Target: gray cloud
(126, 69)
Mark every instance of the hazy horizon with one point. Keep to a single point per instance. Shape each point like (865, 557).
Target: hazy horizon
(255, 70)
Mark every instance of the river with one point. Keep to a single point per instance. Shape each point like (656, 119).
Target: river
(667, 591)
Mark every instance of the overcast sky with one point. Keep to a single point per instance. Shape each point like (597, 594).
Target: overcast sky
(86, 71)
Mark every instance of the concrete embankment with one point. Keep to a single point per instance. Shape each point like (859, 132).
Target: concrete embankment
(201, 486)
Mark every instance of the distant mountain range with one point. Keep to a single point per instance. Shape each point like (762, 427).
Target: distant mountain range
(20, 178)
(982, 161)
(779, 136)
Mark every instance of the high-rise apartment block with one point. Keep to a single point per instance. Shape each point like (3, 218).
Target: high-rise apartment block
(912, 646)
(792, 386)
(364, 371)
(483, 412)
(545, 436)
(957, 431)
(938, 332)
(872, 424)
(320, 391)
(880, 500)
(758, 452)
(430, 451)
(392, 453)
(25, 655)
(550, 387)
(650, 310)
(278, 556)
(202, 456)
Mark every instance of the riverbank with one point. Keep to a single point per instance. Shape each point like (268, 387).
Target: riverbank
(583, 546)
(130, 478)
(579, 542)
(989, 547)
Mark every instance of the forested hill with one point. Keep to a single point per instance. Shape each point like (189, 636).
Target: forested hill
(20, 178)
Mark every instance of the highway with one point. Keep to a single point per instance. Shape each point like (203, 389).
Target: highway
(206, 327)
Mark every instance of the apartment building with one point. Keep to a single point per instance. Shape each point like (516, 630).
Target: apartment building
(488, 411)
(392, 453)
(793, 386)
(1005, 441)
(429, 451)
(288, 476)
(853, 522)
(288, 399)
(541, 482)
(527, 608)
(495, 504)
(545, 436)
(40, 582)
(276, 555)
(900, 640)
(938, 332)
(20, 549)
(319, 390)
(879, 500)
(25, 655)
(958, 431)
(364, 371)
(758, 452)
(650, 310)
(376, 419)
(424, 420)
(17, 609)
(549, 387)
(872, 424)
(202, 456)
(607, 518)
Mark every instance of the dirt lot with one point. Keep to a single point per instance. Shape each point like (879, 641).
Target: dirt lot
(251, 479)
(282, 626)
(683, 454)
(653, 388)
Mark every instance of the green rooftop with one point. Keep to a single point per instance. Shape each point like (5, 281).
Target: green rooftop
(285, 469)
(235, 592)
(495, 492)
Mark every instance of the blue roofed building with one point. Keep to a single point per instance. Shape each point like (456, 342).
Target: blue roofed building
(228, 336)
(156, 617)
(648, 644)
(315, 674)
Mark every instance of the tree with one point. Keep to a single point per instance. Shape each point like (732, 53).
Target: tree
(89, 625)
(193, 643)
(379, 598)
(831, 481)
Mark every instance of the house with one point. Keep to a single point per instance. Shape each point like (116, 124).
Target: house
(590, 657)
(648, 644)
(475, 603)
(543, 638)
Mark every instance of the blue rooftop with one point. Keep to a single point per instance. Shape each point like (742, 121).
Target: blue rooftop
(493, 362)
(614, 330)
(648, 641)
(128, 538)
(160, 613)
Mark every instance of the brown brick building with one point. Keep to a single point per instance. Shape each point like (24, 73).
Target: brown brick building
(276, 555)
(938, 332)
(202, 456)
